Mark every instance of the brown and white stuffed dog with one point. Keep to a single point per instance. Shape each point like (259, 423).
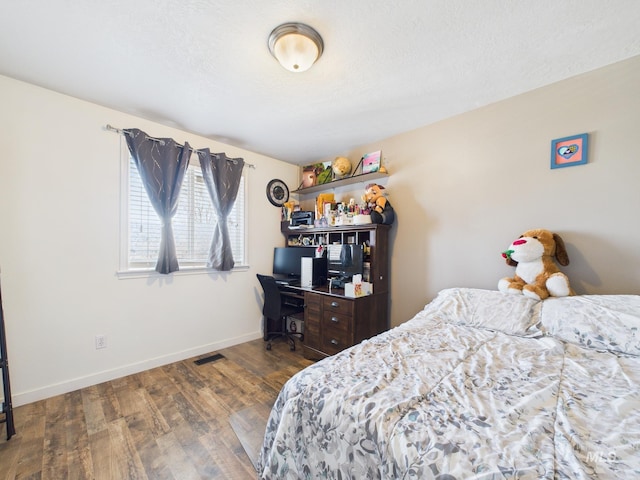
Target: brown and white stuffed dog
(537, 276)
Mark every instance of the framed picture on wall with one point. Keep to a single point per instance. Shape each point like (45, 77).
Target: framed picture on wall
(569, 151)
(371, 162)
(315, 174)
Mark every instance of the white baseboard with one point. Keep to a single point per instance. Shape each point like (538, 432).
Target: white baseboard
(23, 398)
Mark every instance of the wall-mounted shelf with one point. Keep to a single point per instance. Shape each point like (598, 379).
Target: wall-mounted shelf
(363, 177)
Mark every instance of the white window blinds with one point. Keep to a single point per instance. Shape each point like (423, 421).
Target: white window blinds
(192, 225)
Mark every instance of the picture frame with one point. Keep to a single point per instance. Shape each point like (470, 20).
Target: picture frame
(569, 151)
(371, 162)
(315, 174)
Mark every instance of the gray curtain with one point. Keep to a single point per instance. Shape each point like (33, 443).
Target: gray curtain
(222, 176)
(162, 164)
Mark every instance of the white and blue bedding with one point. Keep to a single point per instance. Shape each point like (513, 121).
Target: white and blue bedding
(478, 385)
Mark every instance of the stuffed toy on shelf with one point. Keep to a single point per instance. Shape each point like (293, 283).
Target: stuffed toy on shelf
(381, 209)
(537, 275)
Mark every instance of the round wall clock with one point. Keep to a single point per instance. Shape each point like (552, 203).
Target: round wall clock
(277, 192)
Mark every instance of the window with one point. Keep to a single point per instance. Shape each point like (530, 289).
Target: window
(192, 224)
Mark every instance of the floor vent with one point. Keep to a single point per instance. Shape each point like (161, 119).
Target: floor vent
(209, 359)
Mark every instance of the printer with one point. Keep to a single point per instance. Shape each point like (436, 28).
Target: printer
(301, 218)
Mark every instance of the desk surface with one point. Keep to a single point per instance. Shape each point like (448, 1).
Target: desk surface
(324, 290)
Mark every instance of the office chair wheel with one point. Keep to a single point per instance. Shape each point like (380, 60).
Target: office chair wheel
(269, 346)
(292, 345)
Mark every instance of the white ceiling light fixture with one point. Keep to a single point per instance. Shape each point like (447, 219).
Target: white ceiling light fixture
(296, 46)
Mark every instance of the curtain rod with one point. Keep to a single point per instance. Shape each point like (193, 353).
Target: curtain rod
(122, 132)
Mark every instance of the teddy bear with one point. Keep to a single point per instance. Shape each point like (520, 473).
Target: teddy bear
(537, 276)
(381, 209)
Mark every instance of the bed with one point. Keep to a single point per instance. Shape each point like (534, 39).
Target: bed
(479, 384)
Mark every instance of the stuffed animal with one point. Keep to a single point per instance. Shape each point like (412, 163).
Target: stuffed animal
(381, 209)
(309, 176)
(537, 276)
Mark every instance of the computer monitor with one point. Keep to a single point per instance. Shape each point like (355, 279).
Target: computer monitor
(345, 260)
(287, 260)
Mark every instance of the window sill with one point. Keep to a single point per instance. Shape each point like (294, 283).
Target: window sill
(150, 272)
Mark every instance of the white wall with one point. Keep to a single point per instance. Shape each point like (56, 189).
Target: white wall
(465, 188)
(59, 252)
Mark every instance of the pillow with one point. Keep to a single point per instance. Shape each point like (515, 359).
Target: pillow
(601, 322)
(488, 309)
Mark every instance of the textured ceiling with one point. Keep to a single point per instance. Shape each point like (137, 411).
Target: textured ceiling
(388, 67)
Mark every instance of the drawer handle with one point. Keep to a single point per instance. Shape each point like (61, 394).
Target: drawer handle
(335, 304)
(335, 319)
(334, 341)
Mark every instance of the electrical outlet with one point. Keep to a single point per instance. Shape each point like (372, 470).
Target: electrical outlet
(101, 341)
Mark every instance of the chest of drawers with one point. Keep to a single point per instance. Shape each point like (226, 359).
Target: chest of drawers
(334, 322)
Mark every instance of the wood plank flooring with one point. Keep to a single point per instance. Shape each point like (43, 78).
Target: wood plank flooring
(170, 422)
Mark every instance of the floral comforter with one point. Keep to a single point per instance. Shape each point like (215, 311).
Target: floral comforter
(478, 385)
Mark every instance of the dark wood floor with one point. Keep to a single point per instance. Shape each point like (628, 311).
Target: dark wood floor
(170, 422)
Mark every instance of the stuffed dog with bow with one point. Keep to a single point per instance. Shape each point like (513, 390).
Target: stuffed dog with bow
(537, 275)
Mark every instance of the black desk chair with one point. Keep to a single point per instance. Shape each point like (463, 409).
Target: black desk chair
(275, 313)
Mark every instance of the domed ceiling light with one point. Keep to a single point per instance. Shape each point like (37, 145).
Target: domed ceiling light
(296, 46)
